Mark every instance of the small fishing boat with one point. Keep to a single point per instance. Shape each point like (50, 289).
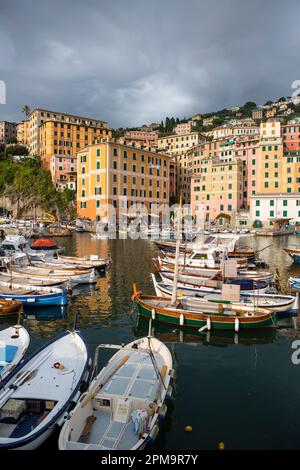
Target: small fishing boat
(233, 316)
(15, 277)
(34, 296)
(294, 253)
(9, 307)
(72, 277)
(45, 244)
(93, 261)
(207, 286)
(35, 399)
(275, 302)
(188, 276)
(125, 402)
(14, 342)
(58, 263)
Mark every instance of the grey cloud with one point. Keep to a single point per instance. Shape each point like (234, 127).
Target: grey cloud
(133, 61)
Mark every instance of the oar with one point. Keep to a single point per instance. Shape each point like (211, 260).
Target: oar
(96, 387)
(262, 249)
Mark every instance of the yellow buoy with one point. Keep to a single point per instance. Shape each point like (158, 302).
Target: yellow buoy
(188, 429)
(221, 446)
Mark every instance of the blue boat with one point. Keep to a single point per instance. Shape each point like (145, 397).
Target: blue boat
(34, 296)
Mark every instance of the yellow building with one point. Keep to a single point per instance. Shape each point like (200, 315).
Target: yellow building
(179, 146)
(23, 134)
(110, 171)
(54, 133)
(217, 188)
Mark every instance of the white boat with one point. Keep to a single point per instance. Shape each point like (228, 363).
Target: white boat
(93, 261)
(36, 398)
(14, 342)
(72, 277)
(275, 302)
(125, 402)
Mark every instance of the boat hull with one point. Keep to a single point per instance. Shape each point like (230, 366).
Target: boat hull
(199, 320)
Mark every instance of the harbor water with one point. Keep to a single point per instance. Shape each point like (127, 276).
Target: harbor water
(240, 389)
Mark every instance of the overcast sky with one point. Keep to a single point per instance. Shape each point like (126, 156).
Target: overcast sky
(131, 62)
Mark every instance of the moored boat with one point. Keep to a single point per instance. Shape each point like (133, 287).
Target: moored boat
(275, 302)
(73, 277)
(216, 316)
(14, 342)
(30, 295)
(35, 398)
(46, 245)
(125, 402)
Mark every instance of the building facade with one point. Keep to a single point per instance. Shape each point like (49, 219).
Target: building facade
(64, 172)
(217, 189)
(266, 208)
(120, 176)
(8, 132)
(54, 133)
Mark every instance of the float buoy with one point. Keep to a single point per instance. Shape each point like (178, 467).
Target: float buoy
(153, 314)
(188, 428)
(181, 319)
(236, 324)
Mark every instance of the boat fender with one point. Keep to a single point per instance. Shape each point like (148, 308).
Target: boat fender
(208, 323)
(153, 434)
(162, 412)
(58, 365)
(153, 314)
(169, 392)
(181, 319)
(236, 324)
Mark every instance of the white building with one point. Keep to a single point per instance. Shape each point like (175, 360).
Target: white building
(265, 208)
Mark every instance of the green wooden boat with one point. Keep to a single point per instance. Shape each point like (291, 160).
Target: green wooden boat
(223, 316)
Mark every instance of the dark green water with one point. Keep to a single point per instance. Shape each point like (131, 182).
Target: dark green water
(239, 389)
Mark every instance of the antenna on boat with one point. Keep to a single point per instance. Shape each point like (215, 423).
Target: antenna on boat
(75, 321)
(174, 291)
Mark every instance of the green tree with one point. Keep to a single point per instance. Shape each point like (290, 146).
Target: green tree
(26, 111)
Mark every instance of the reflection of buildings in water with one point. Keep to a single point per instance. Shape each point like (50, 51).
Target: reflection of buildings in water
(46, 330)
(86, 245)
(92, 303)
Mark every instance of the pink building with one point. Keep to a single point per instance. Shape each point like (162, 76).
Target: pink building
(64, 172)
(247, 149)
(146, 138)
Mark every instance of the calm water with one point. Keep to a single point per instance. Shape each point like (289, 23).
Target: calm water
(239, 389)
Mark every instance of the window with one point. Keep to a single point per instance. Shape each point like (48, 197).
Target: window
(271, 213)
(98, 152)
(97, 204)
(230, 207)
(83, 159)
(97, 191)
(257, 213)
(266, 184)
(257, 203)
(272, 202)
(125, 166)
(83, 193)
(114, 165)
(115, 152)
(284, 213)
(125, 153)
(285, 203)
(98, 165)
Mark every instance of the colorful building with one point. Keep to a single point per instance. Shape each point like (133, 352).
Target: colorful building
(64, 172)
(267, 208)
(54, 133)
(217, 189)
(119, 175)
(147, 138)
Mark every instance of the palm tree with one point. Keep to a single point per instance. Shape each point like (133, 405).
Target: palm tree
(26, 111)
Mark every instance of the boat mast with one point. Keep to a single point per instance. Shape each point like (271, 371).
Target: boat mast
(174, 291)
